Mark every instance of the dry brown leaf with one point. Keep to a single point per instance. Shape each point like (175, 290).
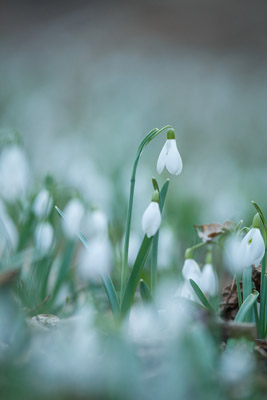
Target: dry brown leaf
(207, 232)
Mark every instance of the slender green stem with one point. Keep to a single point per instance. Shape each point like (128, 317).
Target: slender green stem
(238, 292)
(247, 287)
(151, 135)
(154, 264)
(263, 299)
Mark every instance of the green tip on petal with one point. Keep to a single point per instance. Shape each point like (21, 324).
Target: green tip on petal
(189, 253)
(256, 223)
(155, 196)
(171, 133)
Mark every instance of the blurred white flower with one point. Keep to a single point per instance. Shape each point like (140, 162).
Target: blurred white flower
(95, 223)
(186, 291)
(42, 204)
(252, 248)
(8, 231)
(232, 255)
(236, 365)
(143, 323)
(73, 215)
(170, 156)
(192, 271)
(134, 245)
(14, 173)
(95, 260)
(44, 235)
(209, 280)
(151, 219)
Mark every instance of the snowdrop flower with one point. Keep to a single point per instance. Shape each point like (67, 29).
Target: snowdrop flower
(170, 156)
(252, 248)
(14, 173)
(73, 213)
(95, 224)
(236, 365)
(95, 260)
(209, 280)
(44, 235)
(192, 271)
(42, 204)
(232, 255)
(152, 218)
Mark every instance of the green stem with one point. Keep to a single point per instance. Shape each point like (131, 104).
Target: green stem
(151, 135)
(238, 292)
(247, 287)
(263, 299)
(154, 264)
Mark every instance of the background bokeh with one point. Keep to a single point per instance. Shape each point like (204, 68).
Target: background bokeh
(84, 81)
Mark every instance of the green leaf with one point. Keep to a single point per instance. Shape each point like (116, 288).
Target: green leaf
(135, 274)
(246, 307)
(145, 292)
(247, 287)
(140, 261)
(262, 220)
(107, 282)
(201, 295)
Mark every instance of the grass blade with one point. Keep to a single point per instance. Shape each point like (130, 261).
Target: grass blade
(201, 295)
(246, 307)
(145, 292)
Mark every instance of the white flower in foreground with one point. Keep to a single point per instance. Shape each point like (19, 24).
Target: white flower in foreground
(44, 235)
(42, 204)
(73, 215)
(236, 365)
(170, 156)
(152, 218)
(252, 248)
(209, 280)
(14, 173)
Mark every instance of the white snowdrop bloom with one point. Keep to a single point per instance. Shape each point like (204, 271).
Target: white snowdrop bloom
(151, 219)
(44, 235)
(8, 231)
(143, 324)
(209, 280)
(95, 260)
(42, 204)
(252, 248)
(95, 223)
(186, 291)
(134, 245)
(236, 365)
(73, 215)
(14, 173)
(232, 255)
(170, 156)
(192, 271)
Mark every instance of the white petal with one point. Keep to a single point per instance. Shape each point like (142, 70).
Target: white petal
(44, 235)
(74, 212)
(191, 270)
(151, 219)
(162, 159)
(174, 162)
(252, 248)
(209, 280)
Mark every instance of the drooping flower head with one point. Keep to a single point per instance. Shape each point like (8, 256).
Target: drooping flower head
(151, 219)
(169, 156)
(252, 248)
